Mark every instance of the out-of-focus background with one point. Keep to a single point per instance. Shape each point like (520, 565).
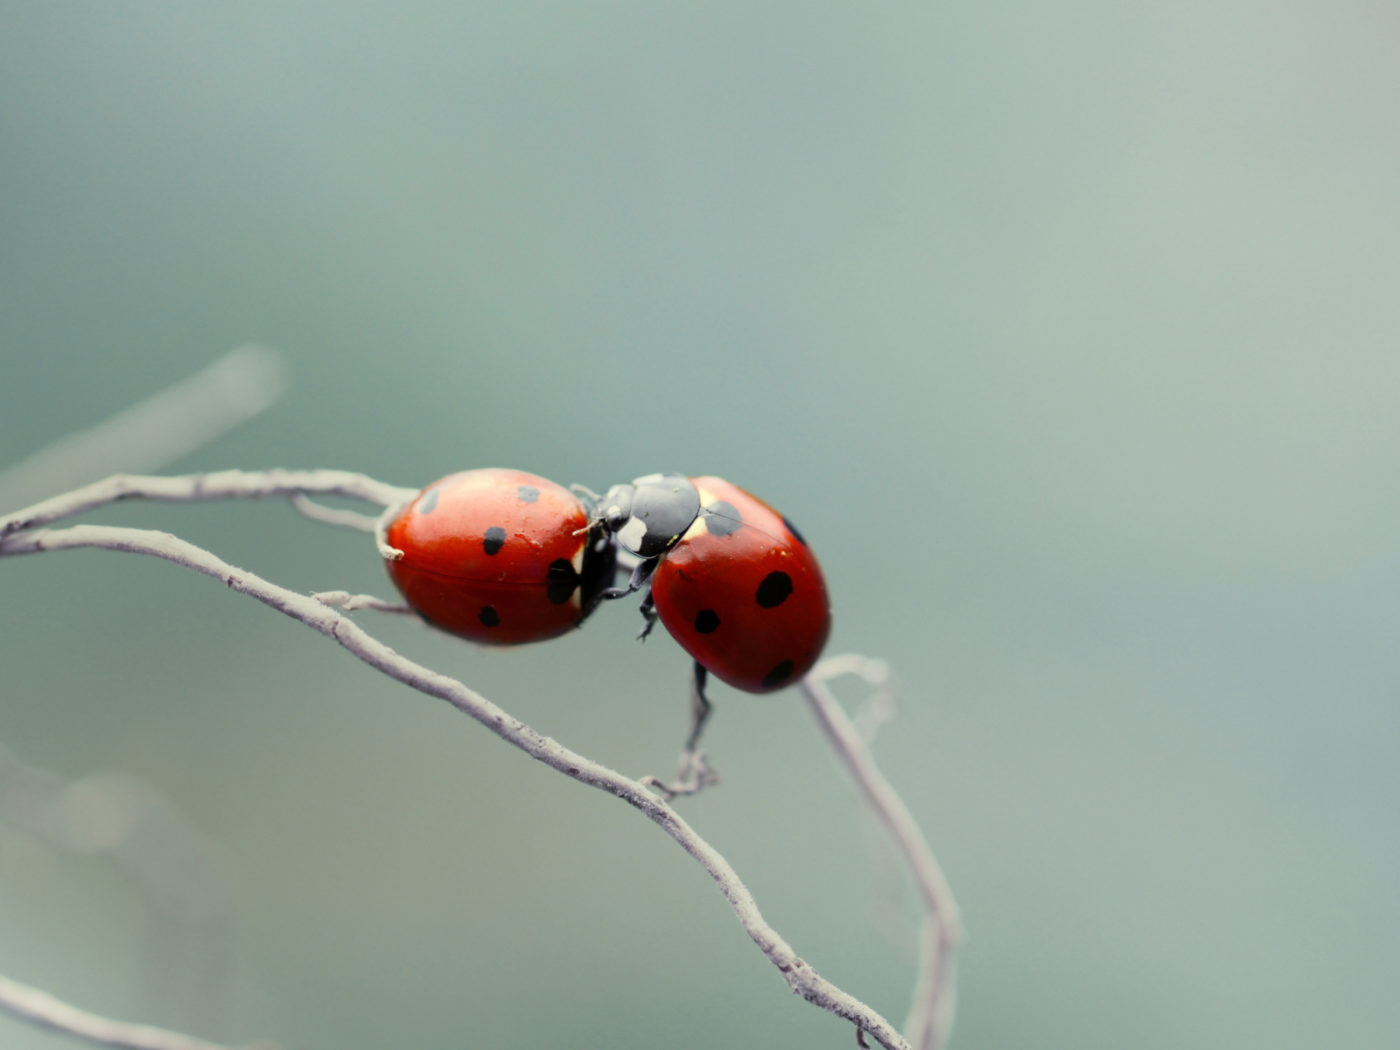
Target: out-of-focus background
(1067, 334)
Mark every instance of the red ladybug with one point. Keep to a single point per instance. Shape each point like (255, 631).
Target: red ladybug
(732, 580)
(499, 557)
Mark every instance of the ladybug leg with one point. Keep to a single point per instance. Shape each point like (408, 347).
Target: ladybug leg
(640, 575)
(648, 615)
(700, 708)
(695, 772)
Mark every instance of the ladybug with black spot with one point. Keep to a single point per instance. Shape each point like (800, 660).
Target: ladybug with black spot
(730, 578)
(499, 557)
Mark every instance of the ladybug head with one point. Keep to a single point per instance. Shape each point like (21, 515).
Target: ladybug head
(613, 510)
(649, 516)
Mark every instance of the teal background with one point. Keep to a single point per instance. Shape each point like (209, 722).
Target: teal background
(1067, 334)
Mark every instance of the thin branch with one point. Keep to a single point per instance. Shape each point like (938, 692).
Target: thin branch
(935, 991)
(381, 527)
(157, 431)
(41, 1008)
(800, 977)
(345, 519)
(353, 602)
(226, 484)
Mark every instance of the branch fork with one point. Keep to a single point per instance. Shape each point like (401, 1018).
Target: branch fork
(26, 532)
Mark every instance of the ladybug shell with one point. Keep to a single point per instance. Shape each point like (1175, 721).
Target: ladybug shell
(493, 556)
(741, 592)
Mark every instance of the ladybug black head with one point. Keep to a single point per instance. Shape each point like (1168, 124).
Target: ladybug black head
(650, 515)
(615, 508)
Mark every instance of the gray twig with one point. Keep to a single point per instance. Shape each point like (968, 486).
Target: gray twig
(225, 484)
(353, 602)
(43, 1009)
(159, 430)
(931, 1013)
(345, 519)
(800, 977)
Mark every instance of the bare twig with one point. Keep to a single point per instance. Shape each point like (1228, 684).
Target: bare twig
(381, 527)
(41, 1008)
(931, 1013)
(226, 484)
(352, 602)
(345, 519)
(800, 977)
(149, 435)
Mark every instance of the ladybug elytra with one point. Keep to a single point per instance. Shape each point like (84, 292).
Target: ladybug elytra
(499, 557)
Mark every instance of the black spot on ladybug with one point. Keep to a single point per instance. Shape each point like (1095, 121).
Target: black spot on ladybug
(428, 502)
(495, 539)
(778, 675)
(706, 620)
(774, 589)
(488, 618)
(563, 580)
(527, 493)
(795, 534)
(722, 518)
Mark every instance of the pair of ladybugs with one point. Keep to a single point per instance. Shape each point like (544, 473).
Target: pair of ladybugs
(503, 557)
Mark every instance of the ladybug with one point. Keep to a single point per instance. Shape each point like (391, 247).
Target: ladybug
(499, 557)
(730, 578)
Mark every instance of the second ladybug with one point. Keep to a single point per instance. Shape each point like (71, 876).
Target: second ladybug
(730, 578)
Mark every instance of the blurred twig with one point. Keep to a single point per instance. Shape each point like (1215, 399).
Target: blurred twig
(179, 871)
(931, 1013)
(156, 432)
(345, 519)
(43, 1009)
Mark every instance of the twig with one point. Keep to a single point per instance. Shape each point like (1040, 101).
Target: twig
(352, 602)
(157, 431)
(226, 484)
(345, 519)
(41, 1008)
(800, 977)
(931, 1013)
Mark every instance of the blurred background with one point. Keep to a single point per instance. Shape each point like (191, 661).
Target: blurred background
(1066, 333)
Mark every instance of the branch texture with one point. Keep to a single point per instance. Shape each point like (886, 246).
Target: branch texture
(225, 484)
(800, 977)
